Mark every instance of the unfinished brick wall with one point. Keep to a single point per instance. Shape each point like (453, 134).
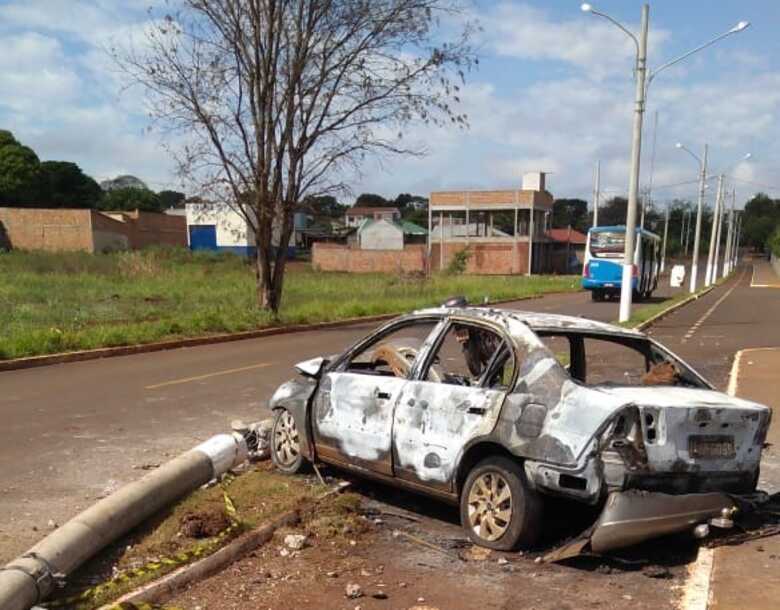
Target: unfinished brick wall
(337, 257)
(47, 229)
(151, 228)
(60, 230)
(144, 228)
(486, 258)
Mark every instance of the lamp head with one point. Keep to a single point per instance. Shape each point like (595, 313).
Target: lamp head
(747, 156)
(587, 8)
(739, 27)
(678, 145)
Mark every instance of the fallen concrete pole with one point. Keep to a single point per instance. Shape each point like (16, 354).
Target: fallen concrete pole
(30, 578)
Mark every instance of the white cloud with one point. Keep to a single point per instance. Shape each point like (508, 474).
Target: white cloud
(525, 32)
(34, 73)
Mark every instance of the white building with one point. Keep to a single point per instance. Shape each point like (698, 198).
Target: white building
(357, 214)
(386, 235)
(217, 226)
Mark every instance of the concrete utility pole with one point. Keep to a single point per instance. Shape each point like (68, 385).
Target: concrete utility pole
(643, 80)
(700, 205)
(666, 232)
(737, 241)
(729, 236)
(596, 194)
(721, 220)
(626, 285)
(708, 276)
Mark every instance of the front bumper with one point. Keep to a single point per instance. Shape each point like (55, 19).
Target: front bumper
(631, 517)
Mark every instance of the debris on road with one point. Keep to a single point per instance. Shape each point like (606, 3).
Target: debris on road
(353, 591)
(295, 542)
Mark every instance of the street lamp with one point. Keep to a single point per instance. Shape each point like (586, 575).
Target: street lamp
(697, 235)
(643, 80)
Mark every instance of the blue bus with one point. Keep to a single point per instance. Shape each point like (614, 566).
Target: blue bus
(603, 269)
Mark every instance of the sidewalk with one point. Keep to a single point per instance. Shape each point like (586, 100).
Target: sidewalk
(745, 576)
(764, 275)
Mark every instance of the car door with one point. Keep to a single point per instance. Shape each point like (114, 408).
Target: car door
(455, 398)
(352, 417)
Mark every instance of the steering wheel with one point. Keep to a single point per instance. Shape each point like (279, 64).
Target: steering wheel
(400, 360)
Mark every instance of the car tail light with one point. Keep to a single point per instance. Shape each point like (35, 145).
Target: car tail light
(634, 271)
(586, 270)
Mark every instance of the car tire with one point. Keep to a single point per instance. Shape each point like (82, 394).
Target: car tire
(285, 444)
(498, 508)
(596, 295)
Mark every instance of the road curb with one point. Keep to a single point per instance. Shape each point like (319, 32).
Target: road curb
(169, 585)
(159, 346)
(672, 308)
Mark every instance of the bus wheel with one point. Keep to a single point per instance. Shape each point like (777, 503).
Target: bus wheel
(597, 295)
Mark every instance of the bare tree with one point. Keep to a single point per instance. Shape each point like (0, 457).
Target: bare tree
(279, 99)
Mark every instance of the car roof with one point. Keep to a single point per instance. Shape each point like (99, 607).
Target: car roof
(535, 320)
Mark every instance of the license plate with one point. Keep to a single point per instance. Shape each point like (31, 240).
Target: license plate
(711, 446)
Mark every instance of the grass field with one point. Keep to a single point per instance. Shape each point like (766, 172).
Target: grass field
(58, 302)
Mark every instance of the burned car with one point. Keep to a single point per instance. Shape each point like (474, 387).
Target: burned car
(496, 409)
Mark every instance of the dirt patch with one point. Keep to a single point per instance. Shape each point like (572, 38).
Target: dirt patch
(203, 524)
(380, 555)
(195, 527)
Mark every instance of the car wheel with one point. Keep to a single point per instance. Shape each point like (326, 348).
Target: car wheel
(498, 508)
(285, 443)
(596, 295)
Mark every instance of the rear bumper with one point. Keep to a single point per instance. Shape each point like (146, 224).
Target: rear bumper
(631, 517)
(593, 284)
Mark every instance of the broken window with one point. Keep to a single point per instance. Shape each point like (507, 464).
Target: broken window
(470, 355)
(611, 363)
(394, 353)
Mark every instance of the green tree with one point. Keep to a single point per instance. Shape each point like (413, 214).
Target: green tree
(570, 213)
(761, 218)
(126, 199)
(372, 200)
(19, 172)
(64, 185)
(326, 205)
(171, 199)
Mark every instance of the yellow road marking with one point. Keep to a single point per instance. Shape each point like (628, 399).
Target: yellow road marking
(207, 375)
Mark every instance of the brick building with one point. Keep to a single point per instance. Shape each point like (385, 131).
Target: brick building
(89, 230)
(503, 230)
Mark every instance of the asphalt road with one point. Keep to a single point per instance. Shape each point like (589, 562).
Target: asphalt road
(74, 432)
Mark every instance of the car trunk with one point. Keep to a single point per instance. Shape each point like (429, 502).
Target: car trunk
(692, 433)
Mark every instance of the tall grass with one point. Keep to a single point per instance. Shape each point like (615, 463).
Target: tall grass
(56, 302)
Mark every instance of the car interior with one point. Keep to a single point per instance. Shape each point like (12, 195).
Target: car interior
(599, 360)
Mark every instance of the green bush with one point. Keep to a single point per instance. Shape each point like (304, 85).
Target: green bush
(457, 265)
(774, 242)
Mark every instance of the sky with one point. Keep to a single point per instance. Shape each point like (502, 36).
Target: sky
(553, 92)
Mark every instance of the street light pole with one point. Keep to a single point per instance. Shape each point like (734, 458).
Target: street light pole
(626, 285)
(729, 236)
(666, 232)
(697, 235)
(721, 219)
(596, 194)
(708, 277)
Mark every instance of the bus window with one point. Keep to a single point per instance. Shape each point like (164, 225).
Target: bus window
(607, 244)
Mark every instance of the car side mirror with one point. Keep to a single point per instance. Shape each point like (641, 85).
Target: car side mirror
(313, 367)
